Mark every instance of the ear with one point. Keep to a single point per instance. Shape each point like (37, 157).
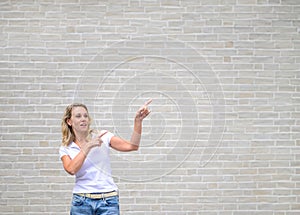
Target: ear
(69, 122)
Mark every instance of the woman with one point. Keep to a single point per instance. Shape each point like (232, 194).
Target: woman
(87, 157)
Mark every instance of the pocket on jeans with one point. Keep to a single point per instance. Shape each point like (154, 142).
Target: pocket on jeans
(112, 200)
(77, 200)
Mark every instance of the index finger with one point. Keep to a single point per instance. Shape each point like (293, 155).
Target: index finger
(148, 102)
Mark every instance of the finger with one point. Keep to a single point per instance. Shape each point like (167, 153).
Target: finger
(96, 144)
(145, 106)
(145, 113)
(148, 102)
(142, 109)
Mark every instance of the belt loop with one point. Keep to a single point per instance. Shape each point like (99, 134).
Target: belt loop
(83, 195)
(103, 198)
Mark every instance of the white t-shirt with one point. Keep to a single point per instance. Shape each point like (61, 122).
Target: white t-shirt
(94, 175)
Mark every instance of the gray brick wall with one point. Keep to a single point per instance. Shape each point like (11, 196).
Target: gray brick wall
(224, 133)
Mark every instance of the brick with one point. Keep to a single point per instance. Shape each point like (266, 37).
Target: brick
(225, 70)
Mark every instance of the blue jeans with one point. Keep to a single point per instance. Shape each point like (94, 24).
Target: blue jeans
(85, 206)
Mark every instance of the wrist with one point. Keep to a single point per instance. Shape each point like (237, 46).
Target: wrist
(83, 152)
(137, 120)
(135, 138)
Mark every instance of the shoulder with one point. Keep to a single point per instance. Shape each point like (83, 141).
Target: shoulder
(107, 135)
(66, 150)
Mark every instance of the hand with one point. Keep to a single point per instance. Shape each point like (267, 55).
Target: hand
(143, 112)
(95, 141)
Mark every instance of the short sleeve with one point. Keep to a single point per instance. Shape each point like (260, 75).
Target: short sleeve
(106, 137)
(62, 151)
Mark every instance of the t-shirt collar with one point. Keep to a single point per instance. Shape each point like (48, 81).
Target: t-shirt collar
(74, 145)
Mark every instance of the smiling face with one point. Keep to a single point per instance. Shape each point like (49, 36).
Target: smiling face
(80, 120)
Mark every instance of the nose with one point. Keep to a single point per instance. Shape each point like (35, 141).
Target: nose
(84, 118)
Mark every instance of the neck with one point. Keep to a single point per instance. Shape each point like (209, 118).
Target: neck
(80, 138)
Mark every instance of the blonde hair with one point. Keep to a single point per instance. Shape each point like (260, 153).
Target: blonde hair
(67, 132)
